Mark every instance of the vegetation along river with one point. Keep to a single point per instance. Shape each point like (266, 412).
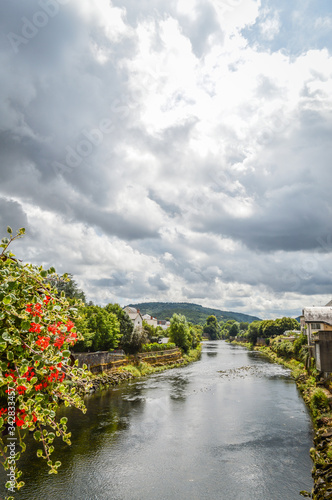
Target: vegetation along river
(231, 426)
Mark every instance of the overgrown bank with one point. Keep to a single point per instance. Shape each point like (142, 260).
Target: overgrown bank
(316, 392)
(138, 369)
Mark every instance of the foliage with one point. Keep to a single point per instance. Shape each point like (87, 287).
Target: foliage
(67, 285)
(283, 348)
(225, 328)
(244, 325)
(234, 330)
(36, 331)
(126, 325)
(300, 347)
(319, 402)
(100, 329)
(179, 332)
(211, 328)
(157, 347)
(271, 328)
(152, 331)
(196, 332)
(132, 343)
(194, 313)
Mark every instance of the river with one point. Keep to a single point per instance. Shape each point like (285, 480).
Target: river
(231, 426)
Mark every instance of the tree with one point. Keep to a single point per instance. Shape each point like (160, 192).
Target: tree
(234, 330)
(132, 343)
(179, 332)
(196, 332)
(126, 325)
(211, 327)
(253, 332)
(244, 325)
(100, 329)
(36, 331)
(67, 285)
(285, 324)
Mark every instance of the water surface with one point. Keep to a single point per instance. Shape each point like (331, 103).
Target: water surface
(231, 426)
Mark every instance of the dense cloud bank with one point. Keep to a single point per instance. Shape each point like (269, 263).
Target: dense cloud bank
(178, 152)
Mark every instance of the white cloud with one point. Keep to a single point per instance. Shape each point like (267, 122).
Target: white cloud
(211, 183)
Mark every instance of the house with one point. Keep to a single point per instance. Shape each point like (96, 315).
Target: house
(135, 316)
(316, 319)
(317, 323)
(163, 323)
(150, 320)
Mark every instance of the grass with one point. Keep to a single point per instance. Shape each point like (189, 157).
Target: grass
(143, 369)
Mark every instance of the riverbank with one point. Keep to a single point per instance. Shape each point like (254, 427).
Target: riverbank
(122, 374)
(318, 398)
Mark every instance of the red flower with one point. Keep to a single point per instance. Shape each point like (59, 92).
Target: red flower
(38, 387)
(34, 309)
(35, 327)
(69, 325)
(20, 421)
(29, 374)
(59, 341)
(21, 389)
(43, 342)
(47, 299)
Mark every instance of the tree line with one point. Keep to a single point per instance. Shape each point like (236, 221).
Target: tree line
(105, 328)
(215, 330)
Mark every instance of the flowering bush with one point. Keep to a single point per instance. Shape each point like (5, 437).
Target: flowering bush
(36, 331)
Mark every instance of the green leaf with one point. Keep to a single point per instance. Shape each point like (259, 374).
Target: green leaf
(7, 300)
(9, 230)
(63, 420)
(43, 274)
(39, 453)
(3, 346)
(37, 436)
(6, 337)
(25, 325)
(10, 355)
(21, 230)
(66, 354)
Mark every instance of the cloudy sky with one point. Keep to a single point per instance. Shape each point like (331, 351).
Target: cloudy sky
(171, 150)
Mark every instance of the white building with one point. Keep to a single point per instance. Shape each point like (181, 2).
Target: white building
(150, 320)
(135, 316)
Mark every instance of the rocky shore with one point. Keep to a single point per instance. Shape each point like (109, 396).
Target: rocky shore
(106, 380)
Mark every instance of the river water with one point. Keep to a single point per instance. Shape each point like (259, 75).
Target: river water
(231, 426)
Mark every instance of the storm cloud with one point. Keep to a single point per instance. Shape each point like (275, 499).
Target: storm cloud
(174, 152)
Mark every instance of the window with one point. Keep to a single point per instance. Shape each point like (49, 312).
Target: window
(315, 326)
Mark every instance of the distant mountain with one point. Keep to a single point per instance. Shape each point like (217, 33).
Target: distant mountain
(194, 313)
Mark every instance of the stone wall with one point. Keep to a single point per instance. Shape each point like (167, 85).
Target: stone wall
(100, 361)
(103, 361)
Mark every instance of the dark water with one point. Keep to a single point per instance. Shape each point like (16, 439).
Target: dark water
(229, 427)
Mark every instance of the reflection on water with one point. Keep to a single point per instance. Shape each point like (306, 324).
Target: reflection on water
(231, 426)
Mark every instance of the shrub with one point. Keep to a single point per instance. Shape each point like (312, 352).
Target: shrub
(319, 402)
(36, 331)
(157, 347)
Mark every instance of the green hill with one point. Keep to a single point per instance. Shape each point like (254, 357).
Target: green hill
(194, 313)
